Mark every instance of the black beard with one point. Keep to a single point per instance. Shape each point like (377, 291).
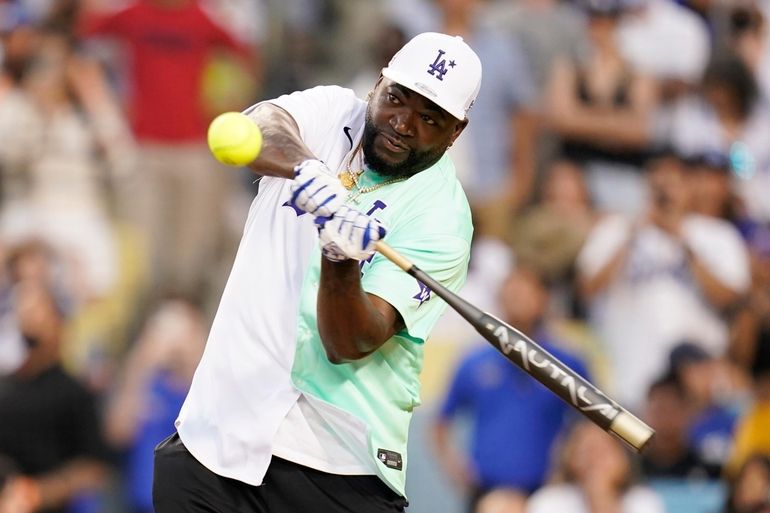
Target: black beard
(413, 164)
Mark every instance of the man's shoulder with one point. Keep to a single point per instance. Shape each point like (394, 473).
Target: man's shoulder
(328, 102)
(332, 93)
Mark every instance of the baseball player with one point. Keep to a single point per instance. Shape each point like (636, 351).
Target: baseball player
(303, 397)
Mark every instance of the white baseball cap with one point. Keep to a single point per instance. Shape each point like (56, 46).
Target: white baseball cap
(440, 67)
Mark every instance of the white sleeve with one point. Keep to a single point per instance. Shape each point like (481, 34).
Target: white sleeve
(720, 247)
(603, 242)
(317, 111)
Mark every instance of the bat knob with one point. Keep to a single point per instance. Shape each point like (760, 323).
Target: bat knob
(631, 430)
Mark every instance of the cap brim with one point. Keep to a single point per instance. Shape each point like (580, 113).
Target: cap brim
(421, 89)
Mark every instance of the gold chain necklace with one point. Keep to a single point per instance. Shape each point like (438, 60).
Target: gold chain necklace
(353, 196)
(348, 177)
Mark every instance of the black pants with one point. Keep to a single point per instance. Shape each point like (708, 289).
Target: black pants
(182, 485)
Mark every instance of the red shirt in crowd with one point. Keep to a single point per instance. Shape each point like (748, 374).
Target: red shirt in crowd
(169, 49)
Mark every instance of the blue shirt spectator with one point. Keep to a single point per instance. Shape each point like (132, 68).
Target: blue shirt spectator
(165, 399)
(515, 418)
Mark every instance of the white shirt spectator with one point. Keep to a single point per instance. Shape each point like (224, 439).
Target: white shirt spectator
(750, 151)
(653, 301)
(54, 190)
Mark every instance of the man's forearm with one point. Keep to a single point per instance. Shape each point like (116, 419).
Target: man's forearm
(282, 146)
(351, 323)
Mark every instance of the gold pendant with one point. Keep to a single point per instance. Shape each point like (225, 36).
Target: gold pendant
(347, 180)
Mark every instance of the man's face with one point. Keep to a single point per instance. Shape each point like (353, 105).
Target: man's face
(404, 131)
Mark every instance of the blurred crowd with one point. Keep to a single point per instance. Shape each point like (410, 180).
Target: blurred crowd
(617, 163)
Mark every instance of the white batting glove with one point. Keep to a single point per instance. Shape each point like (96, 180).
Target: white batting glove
(316, 190)
(350, 234)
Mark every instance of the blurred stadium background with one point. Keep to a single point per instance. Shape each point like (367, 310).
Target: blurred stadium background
(618, 166)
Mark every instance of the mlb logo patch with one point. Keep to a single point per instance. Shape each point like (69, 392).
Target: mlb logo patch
(390, 459)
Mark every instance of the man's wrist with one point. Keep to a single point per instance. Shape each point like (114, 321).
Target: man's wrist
(332, 253)
(309, 163)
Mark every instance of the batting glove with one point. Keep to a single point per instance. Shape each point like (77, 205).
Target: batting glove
(349, 234)
(316, 190)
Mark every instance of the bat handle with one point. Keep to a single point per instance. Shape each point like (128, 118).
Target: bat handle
(393, 255)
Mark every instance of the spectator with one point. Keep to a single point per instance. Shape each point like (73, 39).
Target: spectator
(750, 347)
(669, 454)
(19, 39)
(751, 433)
(515, 419)
(176, 197)
(602, 109)
(732, 120)
(593, 476)
(746, 36)
(50, 428)
(35, 261)
(751, 40)
(713, 192)
(659, 278)
(63, 200)
(147, 400)
(548, 236)
(750, 490)
(711, 399)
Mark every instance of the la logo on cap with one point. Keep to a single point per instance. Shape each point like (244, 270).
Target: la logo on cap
(439, 66)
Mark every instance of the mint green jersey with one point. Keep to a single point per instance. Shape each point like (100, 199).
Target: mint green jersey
(429, 222)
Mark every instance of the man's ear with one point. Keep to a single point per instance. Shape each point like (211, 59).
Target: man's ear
(459, 127)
